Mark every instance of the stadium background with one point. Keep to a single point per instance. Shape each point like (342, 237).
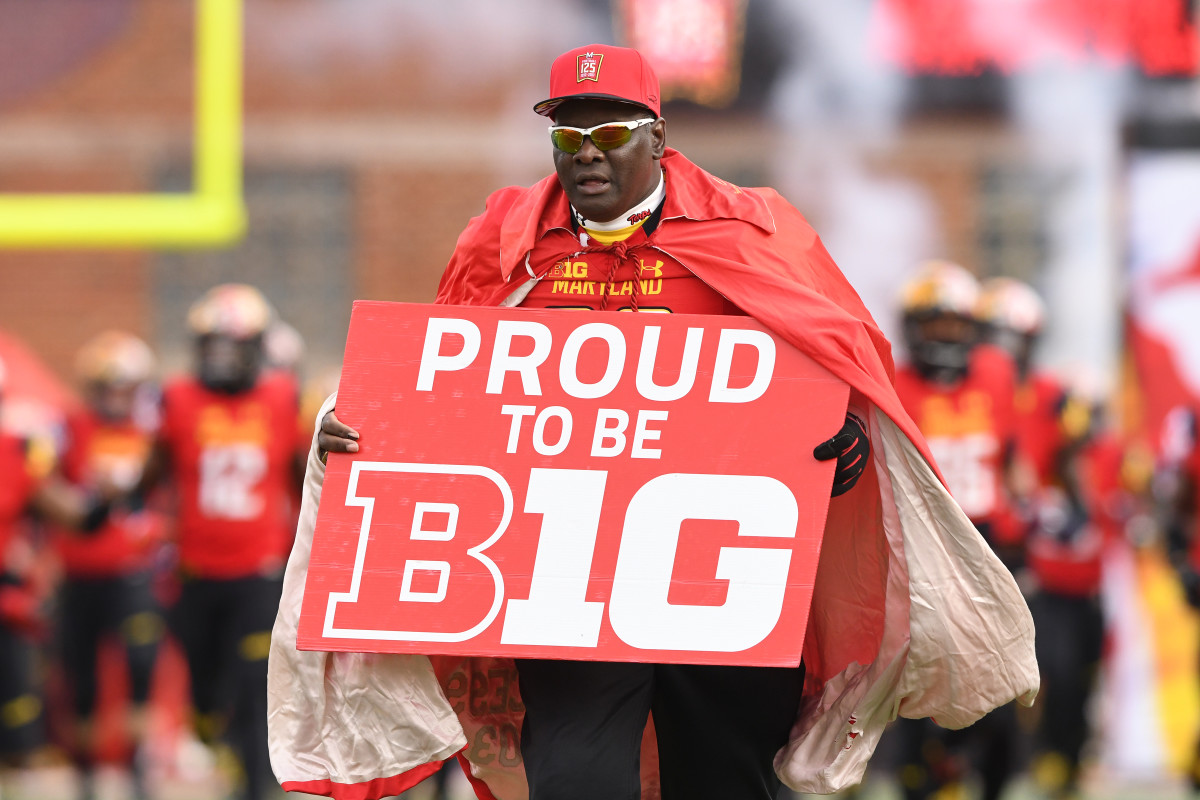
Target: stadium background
(1050, 140)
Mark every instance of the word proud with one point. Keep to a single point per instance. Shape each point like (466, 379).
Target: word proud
(537, 342)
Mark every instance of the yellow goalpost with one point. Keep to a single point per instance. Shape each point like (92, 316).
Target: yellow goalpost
(212, 214)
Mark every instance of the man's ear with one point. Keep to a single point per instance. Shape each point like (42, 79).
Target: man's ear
(658, 131)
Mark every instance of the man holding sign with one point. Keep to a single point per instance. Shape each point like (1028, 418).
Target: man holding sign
(910, 612)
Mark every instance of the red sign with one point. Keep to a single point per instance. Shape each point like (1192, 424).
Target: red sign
(625, 487)
(694, 45)
(964, 37)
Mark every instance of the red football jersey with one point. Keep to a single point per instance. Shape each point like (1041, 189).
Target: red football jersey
(18, 482)
(968, 427)
(231, 456)
(118, 452)
(658, 284)
(1067, 563)
(1040, 433)
(1073, 565)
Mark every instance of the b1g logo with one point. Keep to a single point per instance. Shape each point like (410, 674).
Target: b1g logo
(450, 584)
(547, 484)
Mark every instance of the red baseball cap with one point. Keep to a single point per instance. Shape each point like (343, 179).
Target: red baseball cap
(601, 72)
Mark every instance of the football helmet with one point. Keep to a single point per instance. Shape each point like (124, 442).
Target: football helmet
(939, 326)
(115, 357)
(283, 347)
(229, 322)
(1011, 315)
(235, 310)
(113, 367)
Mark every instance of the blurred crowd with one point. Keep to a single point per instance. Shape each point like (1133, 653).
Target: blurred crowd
(143, 531)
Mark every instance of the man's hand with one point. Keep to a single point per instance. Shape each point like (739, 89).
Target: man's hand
(851, 447)
(335, 437)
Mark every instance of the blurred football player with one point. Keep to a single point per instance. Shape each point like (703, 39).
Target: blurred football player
(960, 394)
(1064, 546)
(229, 441)
(107, 576)
(29, 483)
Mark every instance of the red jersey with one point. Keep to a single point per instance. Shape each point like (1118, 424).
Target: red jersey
(231, 456)
(18, 482)
(969, 426)
(654, 280)
(118, 452)
(1071, 565)
(1067, 562)
(1040, 434)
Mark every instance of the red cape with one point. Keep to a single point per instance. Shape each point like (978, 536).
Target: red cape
(911, 612)
(758, 251)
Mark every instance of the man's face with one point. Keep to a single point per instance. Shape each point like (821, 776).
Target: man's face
(601, 184)
(940, 343)
(229, 365)
(114, 402)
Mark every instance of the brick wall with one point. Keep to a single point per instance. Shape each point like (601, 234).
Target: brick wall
(56, 300)
(422, 114)
(110, 108)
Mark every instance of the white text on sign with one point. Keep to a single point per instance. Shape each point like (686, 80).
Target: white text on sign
(570, 503)
(527, 367)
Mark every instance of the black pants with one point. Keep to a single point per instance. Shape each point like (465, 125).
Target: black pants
(225, 629)
(932, 758)
(123, 607)
(718, 728)
(21, 720)
(1069, 642)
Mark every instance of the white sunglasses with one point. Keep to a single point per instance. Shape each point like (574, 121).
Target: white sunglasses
(605, 136)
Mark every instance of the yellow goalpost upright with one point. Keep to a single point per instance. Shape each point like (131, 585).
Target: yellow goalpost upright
(212, 214)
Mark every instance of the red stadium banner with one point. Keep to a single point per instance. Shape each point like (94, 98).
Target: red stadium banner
(626, 487)
(965, 37)
(694, 45)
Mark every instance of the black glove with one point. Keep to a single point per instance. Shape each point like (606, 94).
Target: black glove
(851, 447)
